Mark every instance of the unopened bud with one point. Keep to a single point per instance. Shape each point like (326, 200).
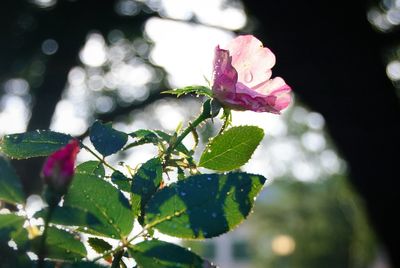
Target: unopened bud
(58, 169)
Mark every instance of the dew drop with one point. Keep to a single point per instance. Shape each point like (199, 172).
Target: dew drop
(209, 178)
(248, 77)
(183, 193)
(68, 251)
(214, 215)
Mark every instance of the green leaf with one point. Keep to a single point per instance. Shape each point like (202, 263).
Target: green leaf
(11, 227)
(99, 245)
(107, 140)
(33, 144)
(10, 185)
(167, 137)
(199, 90)
(203, 206)
(160, 254)
(146, 134)
(90, 193)
(123, 183)
(62, 245)
(93, 168)
(145, 183)
(72, 216)
(232, 149)
(155, 137)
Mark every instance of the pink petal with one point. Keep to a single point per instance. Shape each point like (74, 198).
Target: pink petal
(224, 75)
(252, 61)
(269, 86)
(283, 97)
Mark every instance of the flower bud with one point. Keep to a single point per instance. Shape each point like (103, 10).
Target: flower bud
(58, 169)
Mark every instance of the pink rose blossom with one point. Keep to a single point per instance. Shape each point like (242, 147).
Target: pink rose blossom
(58, 169)
(242, 77)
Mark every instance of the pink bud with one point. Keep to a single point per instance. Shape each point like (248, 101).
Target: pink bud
(242, 77)
(58, 169)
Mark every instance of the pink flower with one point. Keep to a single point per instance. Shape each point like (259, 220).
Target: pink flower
(58, 169)
(242, 77)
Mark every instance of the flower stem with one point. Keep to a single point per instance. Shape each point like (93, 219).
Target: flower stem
(98, 157)
(188, 130)
(42, 246)
(208, 111)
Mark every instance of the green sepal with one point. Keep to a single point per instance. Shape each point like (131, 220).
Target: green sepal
(198, 90)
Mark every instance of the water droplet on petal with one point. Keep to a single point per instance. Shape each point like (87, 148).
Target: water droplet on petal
(248, 77)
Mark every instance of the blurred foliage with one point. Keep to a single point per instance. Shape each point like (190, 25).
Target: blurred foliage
(325, 219)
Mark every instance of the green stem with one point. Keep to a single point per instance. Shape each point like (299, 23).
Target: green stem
(42, 246)
(98, 157)
(135, 143)
(188, 130)
(119, 248)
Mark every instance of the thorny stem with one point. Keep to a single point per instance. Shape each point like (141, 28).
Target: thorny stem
(98, 157)
(188, 130)
(119, 248)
